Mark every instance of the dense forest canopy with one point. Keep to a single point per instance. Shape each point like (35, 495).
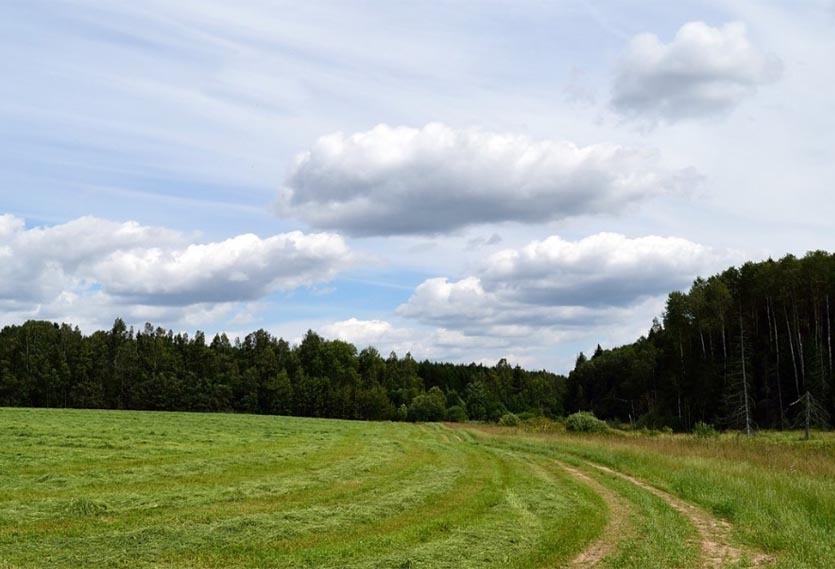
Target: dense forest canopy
(49, 365)
(750, 347)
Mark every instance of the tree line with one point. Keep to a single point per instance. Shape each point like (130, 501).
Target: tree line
(750, 347)
(44, 364)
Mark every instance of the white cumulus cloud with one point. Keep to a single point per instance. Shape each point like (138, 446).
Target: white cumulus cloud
(441, 344)
(606, 269)
(245, 267)
(38, 264)
(92, 266)
(703, 71)
(564, 284)
(526, 301)
(438, 179)
(363, 332)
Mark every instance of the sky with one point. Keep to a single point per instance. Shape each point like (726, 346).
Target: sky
(465, 181)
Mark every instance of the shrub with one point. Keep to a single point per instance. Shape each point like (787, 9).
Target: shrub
(402, 413)
(621, 426)
(530, 414)
(456, 414)
(509, 420)
(429, 406)
(543, 425)
(585, 422)
(705, 430)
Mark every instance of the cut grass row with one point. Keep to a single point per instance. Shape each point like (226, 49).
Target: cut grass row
(132, 489)
(105, 489)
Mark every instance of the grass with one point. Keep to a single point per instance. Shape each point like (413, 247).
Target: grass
(777, 490)
(133, 489)
(164, 490)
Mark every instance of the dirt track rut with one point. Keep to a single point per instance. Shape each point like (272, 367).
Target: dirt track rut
(714, 534)
(616, 528)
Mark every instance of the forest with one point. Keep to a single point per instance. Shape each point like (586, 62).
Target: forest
(748, 348)
(43, 364)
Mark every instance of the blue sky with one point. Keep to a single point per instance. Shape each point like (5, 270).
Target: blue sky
(465, 181)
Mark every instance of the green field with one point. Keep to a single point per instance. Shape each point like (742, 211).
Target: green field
(140, 489)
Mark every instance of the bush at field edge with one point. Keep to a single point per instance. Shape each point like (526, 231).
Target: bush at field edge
(585, 422)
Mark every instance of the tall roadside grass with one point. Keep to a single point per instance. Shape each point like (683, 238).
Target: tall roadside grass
(776, 490)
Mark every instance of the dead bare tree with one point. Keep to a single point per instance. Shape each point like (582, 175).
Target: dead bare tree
(812, 414)
(738, 397)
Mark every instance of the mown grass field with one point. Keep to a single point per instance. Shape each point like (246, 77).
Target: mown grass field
(135, 489)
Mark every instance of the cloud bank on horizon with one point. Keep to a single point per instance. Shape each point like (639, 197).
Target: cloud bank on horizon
(471, 184)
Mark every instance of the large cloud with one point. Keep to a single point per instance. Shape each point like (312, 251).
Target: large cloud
(607, 269)
(39, 263)
(521, 303)
(245, 267)
(437, 179)
(702, 71)
(55, 272)
(467, 305)
(561, 283)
